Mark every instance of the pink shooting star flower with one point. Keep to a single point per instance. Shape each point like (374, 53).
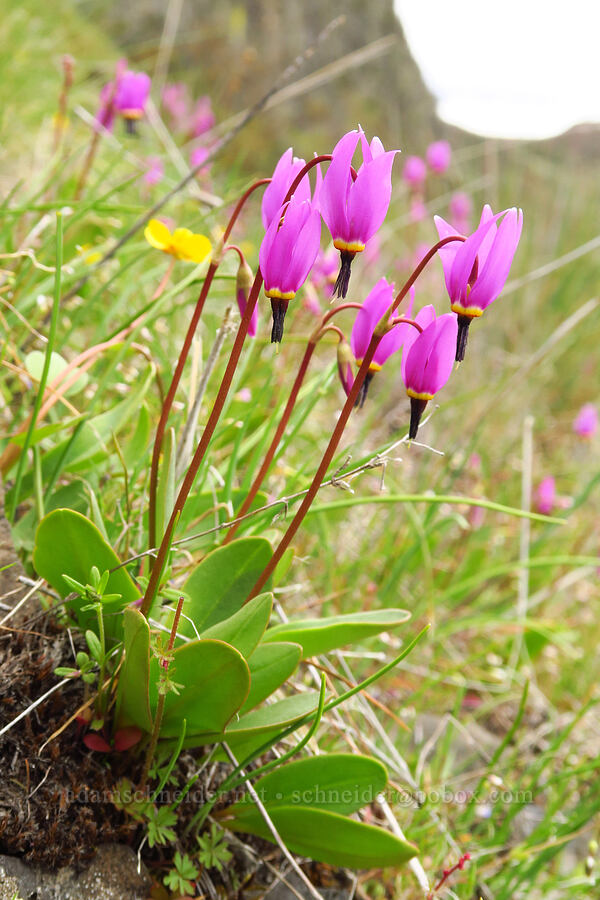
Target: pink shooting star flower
(374, 306)
(287, 254)
(414, 172)
(243, 283)
(438, 156)
(545, 496)
(427, 361)
(354, 210)
(203, 117)
(586, 423)
(476, 270)
(131, 97)
(284, 174)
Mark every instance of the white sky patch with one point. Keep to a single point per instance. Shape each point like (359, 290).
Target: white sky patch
(514, 68)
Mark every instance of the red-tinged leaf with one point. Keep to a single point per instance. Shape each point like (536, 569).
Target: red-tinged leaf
(95, 742)
(126, 738)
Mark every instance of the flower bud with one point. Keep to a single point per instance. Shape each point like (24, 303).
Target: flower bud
(243, 283)
(345, 363)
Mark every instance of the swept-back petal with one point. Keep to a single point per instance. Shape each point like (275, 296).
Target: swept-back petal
(369, 197)
(448, 252)
(430, 358)
(374, 306)
(492, 279)
(424, 318)
(304, 251)
(333, 195)
(465, 259)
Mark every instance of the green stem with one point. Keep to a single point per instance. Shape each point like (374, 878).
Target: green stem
(46, 369)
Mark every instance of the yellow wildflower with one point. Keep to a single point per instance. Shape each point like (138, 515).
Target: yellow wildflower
(182, 243)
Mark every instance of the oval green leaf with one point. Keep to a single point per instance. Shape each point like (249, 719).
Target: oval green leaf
(329, 838)
(317, 636)
(270, 666)
(340, 782)
(244, 629)
(213, 680)
(219, 586)
(67, 543)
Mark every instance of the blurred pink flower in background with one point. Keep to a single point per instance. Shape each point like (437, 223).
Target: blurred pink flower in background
(244, 395)
(155, 171)
(203, 117)
(372, 251)
(586, 423)
(414, 171)
(545, 495)
(460, 208)
(438, 156)
(133, 90)
(418, 210)
(324, 272)
(197, 158)
(176, 101)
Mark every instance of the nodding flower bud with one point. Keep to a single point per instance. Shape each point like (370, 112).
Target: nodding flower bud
(345, 364)
(243, 283)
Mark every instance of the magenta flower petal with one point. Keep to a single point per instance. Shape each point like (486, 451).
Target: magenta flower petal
(465, 260)
(305, 250)
(369, 197)
(430, 358)
(448, 252)
(284, 174)
(336, 183)
(492, 278)
(374, 306)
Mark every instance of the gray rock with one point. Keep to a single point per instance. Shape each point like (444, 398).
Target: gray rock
(111, 875)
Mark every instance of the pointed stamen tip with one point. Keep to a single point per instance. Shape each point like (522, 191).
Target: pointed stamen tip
(279, 308)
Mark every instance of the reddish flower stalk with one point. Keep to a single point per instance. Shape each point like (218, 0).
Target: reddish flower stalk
(210, 426)
(341, 423)
(207, 434)
(459, 866)
(269, 455)
(321, 471)
(183, 355)
(164, 663)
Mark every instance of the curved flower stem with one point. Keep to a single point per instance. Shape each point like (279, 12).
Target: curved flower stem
(335, 329)
(426, 259)
(333, 312)
(342, 420)
(207, 434)
(321, 471)
(269, 455)
(183, 355)
(401, 320)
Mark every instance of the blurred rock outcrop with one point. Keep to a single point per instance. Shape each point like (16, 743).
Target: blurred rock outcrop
(234, 50)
